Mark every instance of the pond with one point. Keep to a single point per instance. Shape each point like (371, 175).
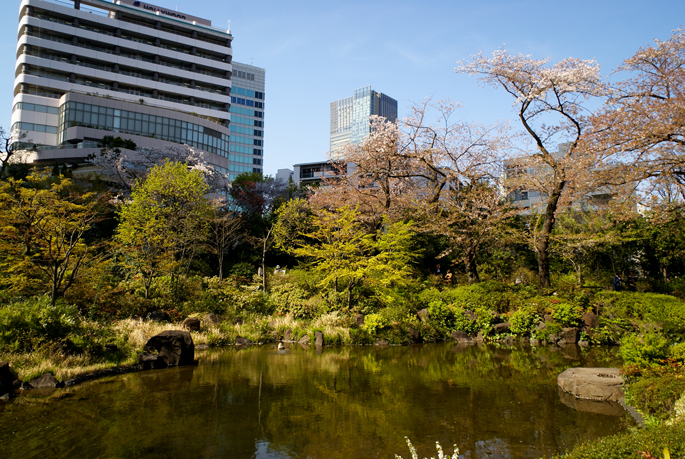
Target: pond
(337, 402)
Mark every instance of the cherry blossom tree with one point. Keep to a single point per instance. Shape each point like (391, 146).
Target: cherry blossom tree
(644, 120)
(549, 101)
(429, 168)
(120, 161)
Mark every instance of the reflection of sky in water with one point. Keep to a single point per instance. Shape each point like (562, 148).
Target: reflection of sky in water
(264, 451)
(492, 449)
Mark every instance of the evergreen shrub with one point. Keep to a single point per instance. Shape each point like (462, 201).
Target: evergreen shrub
(664, 310)
(626, 445)
(25, 324)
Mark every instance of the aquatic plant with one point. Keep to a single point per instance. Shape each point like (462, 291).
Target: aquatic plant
(441, 454)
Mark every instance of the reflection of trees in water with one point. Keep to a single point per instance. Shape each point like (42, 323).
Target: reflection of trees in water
(345, 402)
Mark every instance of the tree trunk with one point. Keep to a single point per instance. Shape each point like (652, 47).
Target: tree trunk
(53, 293)
(268, 233)
(579, 269)
(471, 267)
(542, 243)
(221, 267)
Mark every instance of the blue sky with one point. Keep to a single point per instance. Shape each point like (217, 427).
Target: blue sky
(317, 52)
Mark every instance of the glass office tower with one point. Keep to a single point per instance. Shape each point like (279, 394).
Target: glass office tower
(350, 116)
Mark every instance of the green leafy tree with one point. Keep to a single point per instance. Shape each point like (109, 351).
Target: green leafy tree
(579, 235)
(43, 233)
(346, 256)
(165, 223)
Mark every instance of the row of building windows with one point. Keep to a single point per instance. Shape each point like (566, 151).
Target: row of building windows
(248, 102)
(245, 130)
(245, 150)
(245, 140)
(238, 168)
(136, 73)
(152, 41)
(240, 159)
(247, 92)
(22, 126)
(244, 75)
(246, 121)
(246, 111)
(125, 121)
(35, 108)
(95, 83)
(175, 30)
(131, 54)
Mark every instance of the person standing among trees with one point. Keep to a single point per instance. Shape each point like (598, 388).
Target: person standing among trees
(448, 277)
(617, 283)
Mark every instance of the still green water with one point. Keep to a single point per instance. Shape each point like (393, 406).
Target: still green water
(343, 402)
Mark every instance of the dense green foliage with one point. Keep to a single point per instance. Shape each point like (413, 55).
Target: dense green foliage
(626, 446)
(25, 325)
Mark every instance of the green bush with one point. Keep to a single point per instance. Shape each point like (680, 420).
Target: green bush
(645, 349)
(626, 445)
(677, 351)
(441, 315)
(290, 299)
(664, 310)
(552, 328)
(523, 321)
(26, 324)
(567, 314)
(656, 395)
(496, 296)
(242, 270)
(373, 323)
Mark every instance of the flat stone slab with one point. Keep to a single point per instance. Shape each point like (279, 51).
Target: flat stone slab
(601, 384)
(591, 406)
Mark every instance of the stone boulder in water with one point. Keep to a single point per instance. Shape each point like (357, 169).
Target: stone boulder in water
(592, 383)
(175, 347)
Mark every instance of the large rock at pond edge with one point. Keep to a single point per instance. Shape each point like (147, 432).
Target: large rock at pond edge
(502, 328)
(159, 316)
(318, 339)
(175, 347)
(304, 340)
(414, 335)
(460, 336)
(240, 341)
(591, 406)
(591, 320)
(6, 378)
(151, 361)
(213, 318)
(46, 381)
(568, 336)
(592, 383)
(424, 315)
(192, 324)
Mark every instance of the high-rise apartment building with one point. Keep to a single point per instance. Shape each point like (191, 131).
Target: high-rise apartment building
(153, 75)
(350, 116)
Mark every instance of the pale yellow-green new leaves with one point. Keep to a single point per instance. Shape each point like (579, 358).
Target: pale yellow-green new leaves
(164, 224)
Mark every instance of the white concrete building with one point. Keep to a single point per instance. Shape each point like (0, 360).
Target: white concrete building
(90, 68)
